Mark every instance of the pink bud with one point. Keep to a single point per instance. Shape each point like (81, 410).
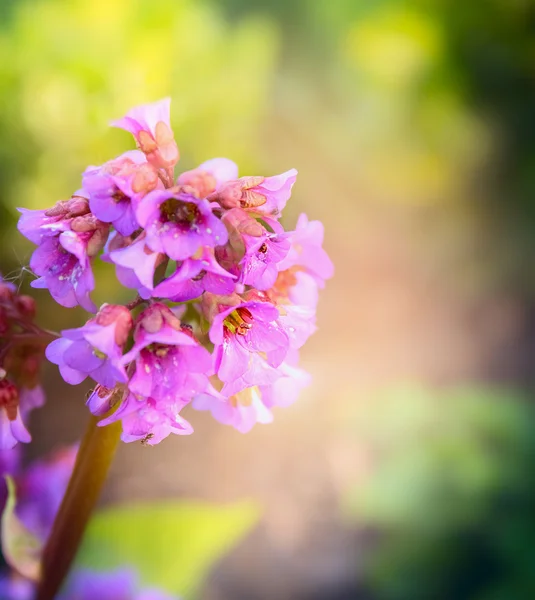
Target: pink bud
(120, 315)
(76, 206)
(26, 306)
(98, 239)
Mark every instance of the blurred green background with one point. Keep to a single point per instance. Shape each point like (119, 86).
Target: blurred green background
(406, 471)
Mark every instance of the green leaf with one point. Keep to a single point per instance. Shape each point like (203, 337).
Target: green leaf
(21, 549)
(172, 545)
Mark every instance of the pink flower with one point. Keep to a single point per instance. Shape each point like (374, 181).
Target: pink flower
(240, 331)
(194, 276)
(179, 224)
(250, 405)
(65, 269)
(260, 264)
(149, 420)
(38, 224)
(116, 186)
(151, 127)
(242, 411)
(170, 364)
(306, 251)
(95, 349)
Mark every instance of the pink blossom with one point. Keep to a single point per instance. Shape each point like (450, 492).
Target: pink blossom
(149, 420)
(38, 224)
(151, 127)
(306, 251)
(179, 224)
(241, 331)
(116, 186)
(65, 269)
(246, 406)
(95, 349)
(170, 364)
(194, 276)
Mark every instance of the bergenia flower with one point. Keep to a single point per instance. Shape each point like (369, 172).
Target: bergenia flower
(307, 251)
(205, 239)
(37, 224)
(95, 349)
(116, 186)
(150, 125)
(170, 363)
(195, 275)
(149, 420)
(64, 262)
(250, 405)
(240, 332)
(179, 224)
(260, 264)
(241, 411)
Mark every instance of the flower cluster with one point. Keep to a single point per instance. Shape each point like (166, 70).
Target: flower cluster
(225, 296)
(22, 345)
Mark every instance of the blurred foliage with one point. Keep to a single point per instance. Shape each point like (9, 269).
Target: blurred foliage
(451, 494)
(171, 545)
(20, 548)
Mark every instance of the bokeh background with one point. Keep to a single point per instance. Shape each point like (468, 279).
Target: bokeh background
(405, 472)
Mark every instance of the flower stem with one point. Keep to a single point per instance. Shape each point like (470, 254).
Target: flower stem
(92, 463)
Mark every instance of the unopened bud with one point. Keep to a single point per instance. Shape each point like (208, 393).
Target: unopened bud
(9, 398)
(202, 182)
(120, 315)
(98, 239)
(85, 223)
(26, 306)
(77, 206)
(6, 292)
(151, 319)
(145, 179)
(58, 210)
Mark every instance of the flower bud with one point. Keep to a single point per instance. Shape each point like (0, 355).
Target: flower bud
(9, 398)
(200, 182)
(120, 315)
(6, 292)
(76, 206)
(26, 306)
(98, 239)
(85, 223)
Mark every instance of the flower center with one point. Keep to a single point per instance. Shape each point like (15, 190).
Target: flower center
(179, 212)
(245, 397)
(99, 354)
(240, 321)
(160, 350)
(119, 196)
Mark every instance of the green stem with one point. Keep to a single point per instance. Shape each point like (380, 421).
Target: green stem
(90, 470)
